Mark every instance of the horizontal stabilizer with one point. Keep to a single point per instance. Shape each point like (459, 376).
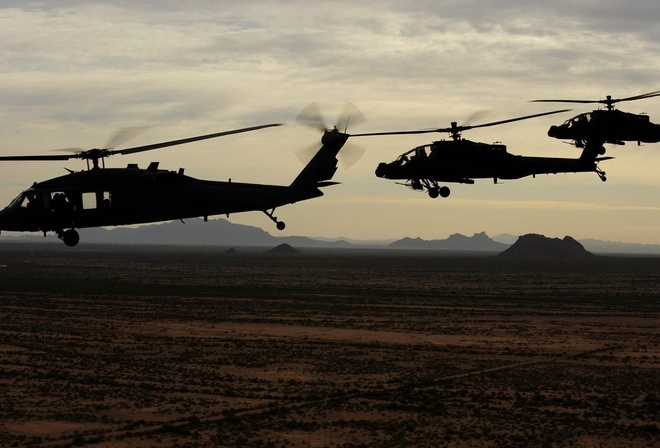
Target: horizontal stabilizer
(327, 184)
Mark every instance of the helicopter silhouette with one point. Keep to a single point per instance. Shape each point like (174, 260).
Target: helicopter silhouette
(461, 161)
(591, 130)
(102, 196)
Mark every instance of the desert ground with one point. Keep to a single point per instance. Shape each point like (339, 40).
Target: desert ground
(111, 346)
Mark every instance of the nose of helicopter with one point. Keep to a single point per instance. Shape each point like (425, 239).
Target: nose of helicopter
(552, 132)
(3, 219)
(381, 169)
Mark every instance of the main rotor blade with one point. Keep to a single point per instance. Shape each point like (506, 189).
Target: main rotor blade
(494, 123)
(605, 101)
(462, 128)
(191, 139)
(53, 157)
(566, 101)
(75, 150)
(368, 134)
(639, 97)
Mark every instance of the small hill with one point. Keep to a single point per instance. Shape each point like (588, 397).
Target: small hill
(231, 250)
(283, 249)
(533, 246)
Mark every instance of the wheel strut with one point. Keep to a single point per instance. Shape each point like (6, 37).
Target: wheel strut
(279, 224)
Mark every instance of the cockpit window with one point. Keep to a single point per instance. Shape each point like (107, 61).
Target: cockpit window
(19, 201)
(415, 154)
(30, 200)
(582, 118)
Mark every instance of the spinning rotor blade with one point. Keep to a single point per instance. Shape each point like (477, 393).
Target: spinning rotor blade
(455, 129)
(306, 154)
(350, 155)
(351, 115)
(476, 116)
(124, 135)
(311, 116)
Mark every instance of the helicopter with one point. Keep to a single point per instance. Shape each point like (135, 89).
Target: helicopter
(101, 196)
(461, 161)
(591, 130)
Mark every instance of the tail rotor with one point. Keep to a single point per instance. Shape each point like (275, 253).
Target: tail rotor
(351, 116)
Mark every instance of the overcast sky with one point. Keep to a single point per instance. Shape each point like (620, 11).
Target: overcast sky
(73, 72)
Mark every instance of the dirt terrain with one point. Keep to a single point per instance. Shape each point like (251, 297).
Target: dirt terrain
(163, 347)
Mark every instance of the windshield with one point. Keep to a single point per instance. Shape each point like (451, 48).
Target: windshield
(418, 153)
(18, 200)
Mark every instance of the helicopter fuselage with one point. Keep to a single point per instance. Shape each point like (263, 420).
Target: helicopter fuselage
(122, 196)
(462, 161)
(607, 126)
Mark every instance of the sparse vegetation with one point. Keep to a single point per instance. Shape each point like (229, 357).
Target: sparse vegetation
(159, 348)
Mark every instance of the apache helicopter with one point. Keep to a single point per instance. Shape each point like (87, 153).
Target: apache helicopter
(461, 161)
(120, 196)
(591, 130)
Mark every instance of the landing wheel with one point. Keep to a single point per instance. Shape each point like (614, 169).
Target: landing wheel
(279, 224)
(433, 192)
(444, 191)
(70, 237)
(604, 179)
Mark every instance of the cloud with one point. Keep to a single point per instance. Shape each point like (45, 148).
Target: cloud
(75, 71)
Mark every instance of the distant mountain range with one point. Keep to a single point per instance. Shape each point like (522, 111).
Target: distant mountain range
(477, 242)
(221, 232)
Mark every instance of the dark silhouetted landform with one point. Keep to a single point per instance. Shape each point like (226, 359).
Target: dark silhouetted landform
(284, 249)
(231, 250)
(196, 232)
(477, 242)
(533, 246)
(223, 233)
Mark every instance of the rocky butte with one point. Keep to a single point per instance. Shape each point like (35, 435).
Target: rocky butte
(533, 246)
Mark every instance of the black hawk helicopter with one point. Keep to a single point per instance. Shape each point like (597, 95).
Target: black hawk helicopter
(461, 161)
(591, 130)
(120, 196)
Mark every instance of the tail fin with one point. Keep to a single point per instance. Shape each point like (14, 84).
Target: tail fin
(323, 165)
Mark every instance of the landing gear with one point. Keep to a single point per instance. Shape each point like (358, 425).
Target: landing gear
(279, 224)
(70, 237)
(432, 188)
(601, 174)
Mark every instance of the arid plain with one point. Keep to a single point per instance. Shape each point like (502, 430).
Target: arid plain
(113, 346)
